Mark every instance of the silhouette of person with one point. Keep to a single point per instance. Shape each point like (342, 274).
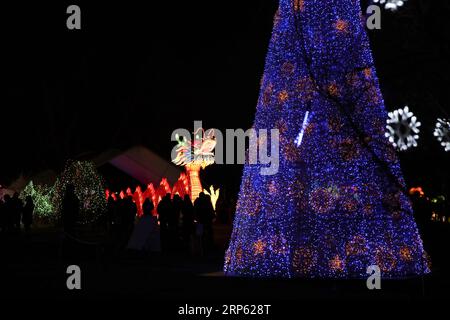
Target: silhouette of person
(3, 215)
(188, 221)
(423, 212)
(27, 217)
(8, 212)
(204, 213)
(110, 213)
(70, 208)
(128, 216)
(165, 209)
(148, 207)
(145, 236)
(174, 221)
(17, 208)
(117, 222)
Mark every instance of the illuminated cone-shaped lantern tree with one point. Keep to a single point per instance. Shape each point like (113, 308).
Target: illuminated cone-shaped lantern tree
(195, 156)
(338, 202)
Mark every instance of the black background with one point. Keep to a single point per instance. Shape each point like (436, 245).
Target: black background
(138, 70)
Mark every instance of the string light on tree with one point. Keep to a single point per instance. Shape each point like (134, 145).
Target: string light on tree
(442, 133)
(403, 129)
(392, 5)
(42, 196)
(89, 189)
(335, 206)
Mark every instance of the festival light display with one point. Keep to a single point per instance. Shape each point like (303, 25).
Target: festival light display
(155, 195)
(442, 133)
(213, 194)
(42, 196)
(403, 129)
(89, 189)
(339, 203)
(195, 156)
(417, 190)
(180, 188)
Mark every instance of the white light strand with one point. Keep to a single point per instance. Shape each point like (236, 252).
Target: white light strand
(299, 139)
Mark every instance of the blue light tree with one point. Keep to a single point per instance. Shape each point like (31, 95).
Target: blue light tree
(338, 203)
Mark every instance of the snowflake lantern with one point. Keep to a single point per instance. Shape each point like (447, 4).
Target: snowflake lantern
(442, 132)
(391, 4)
(403, 129)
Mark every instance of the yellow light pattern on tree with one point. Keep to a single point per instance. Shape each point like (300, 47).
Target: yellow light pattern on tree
(405, 254)
(259, 247)
(341, 25)
(337, 264)
(283, 96)
(299, 5)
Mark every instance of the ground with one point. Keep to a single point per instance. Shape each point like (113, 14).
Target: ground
(32, 268)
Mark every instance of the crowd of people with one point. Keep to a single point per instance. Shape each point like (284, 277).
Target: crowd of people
(14, 213)
(182, 222)
(176, 224)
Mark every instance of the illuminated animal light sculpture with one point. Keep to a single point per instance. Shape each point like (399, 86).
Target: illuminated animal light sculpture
(195, 156)
(163, 189)
(181, 187)
(213, 194)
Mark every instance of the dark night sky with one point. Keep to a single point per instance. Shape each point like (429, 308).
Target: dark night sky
(136, 72)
